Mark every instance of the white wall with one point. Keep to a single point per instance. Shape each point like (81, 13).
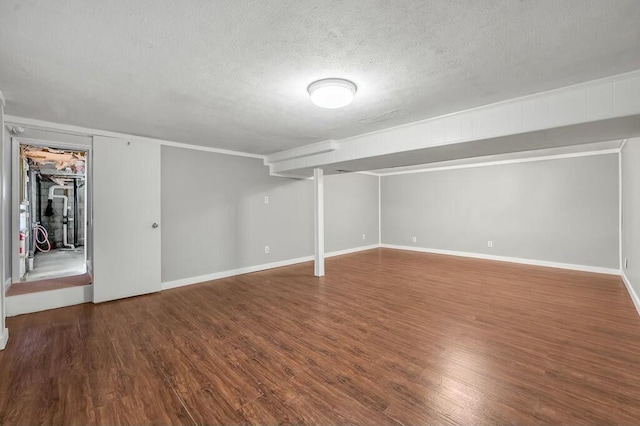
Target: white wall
(561, 210)
(630, 232)
(351, 211)
(215, 218)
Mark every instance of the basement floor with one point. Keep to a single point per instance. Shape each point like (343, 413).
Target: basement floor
(387, 337)
(57, 263)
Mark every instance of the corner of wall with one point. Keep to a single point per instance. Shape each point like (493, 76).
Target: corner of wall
(635, 297)
(620, 208)
(379, 210)
(632, 293)
(4, 338)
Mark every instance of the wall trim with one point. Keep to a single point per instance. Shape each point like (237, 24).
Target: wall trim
(634, 296)
(60, 298)
(86, 131)
(302, 151)
(7, 284)
(232, 272)
(256, 268)
(503, 162)
(352, 250)
(4, 338)
(45, 300)
(364, 172)
(624, 142)
(545, 263)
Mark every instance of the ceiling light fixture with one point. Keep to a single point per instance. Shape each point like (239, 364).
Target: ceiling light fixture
(332, 92)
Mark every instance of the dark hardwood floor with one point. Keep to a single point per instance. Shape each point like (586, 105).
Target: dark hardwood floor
(387, 337)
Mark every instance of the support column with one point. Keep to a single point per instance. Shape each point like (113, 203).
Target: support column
(318, 190)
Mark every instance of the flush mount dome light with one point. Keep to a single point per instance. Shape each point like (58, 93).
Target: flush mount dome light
(332, 92)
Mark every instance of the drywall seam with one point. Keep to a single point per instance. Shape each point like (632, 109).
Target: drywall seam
(504, 162)
(77, 130)
(246, 270)
(570, 266)
(634, 296)
(45, 300)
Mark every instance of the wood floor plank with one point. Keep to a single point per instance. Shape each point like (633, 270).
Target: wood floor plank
(386, 337)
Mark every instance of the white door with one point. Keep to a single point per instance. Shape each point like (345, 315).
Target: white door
(126, 218)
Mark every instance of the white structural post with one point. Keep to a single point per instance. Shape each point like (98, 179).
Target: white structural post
(318, 190)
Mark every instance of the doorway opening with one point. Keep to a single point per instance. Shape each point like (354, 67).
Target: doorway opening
(52, 218)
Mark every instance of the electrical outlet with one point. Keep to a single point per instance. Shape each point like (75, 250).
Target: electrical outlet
(626, 263)
(364, 236)
(266, 249)
(415, 239)
(266, 199)
(489, 243)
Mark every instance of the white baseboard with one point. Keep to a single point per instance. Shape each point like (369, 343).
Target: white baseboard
(634, 296)
(45, 300)
(224, 274)
(351, 250)
(4, 338)
(246, 270)
(570, 266)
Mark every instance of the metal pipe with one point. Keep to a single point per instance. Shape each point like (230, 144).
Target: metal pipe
(76, 200)
(39, 196)
(65, 211)
(52, 189)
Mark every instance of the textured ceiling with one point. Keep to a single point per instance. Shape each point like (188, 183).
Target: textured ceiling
(233, 74)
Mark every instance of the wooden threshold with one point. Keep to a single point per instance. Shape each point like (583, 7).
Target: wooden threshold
(49, 284)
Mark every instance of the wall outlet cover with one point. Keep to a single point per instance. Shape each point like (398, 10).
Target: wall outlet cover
(266, 249)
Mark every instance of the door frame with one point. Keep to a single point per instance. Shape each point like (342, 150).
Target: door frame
(16, 141)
